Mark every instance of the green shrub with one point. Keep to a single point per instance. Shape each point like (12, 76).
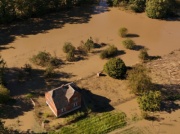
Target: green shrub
(29, 95)
(143, 55)
(137, 5)
(109, 52)
(45, 59)
(159, 8)
(104, 54)
(123, 32)
(41, 59)
(115, 68)
(128, 43)
(70, 56)
(150, 101)
(49, 72)
(89, 44)
(138, 80)
(2, 70)
(54, 61)
(68, 47)
(4, 94)
(27, 68)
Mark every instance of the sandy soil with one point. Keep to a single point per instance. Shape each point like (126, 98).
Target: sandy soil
(100, 23)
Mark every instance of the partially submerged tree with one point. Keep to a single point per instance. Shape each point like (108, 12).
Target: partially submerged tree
(115, 68)
(68, 47)
(123, 32)
(128, 43)
(159, 8)
(150, 101)
(138, 79)
(4, 94)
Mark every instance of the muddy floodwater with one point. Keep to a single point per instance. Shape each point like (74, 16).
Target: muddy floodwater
(18, 42)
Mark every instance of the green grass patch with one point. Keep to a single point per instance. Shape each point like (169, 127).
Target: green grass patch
(96, 124)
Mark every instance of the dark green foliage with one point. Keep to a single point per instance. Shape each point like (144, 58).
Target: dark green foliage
(89, 44)
(49, 72)
(143, 55)
(86, 47)
(70, 56)
(138, 79)
(68, 47)
(115, 68)
(4, 94)
(2, 70)
(128, 43)
(109, 52)
(41, 59)
(27, 68)
(137, 5)
(123, 32)
(159, 8)
(45, 59)
(150, 101)
(20, 9)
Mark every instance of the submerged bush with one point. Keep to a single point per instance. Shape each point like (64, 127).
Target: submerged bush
(143, 55)
(2, 70)
(123, 32)
(137, 5)
(45, 59)
(128, 43)
(68, 47)
(115, 68)
(138, 80)
(150, 101)
(4, 94)
(159, 8)
(109, 52)
(70, 56)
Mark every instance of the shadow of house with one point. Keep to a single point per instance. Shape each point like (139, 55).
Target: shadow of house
(33, 26)
(95, 102)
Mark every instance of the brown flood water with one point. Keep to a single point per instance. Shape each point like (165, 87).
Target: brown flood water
(101, 23)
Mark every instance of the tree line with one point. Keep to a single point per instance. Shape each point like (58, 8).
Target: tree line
(22, 9)
(156, 9)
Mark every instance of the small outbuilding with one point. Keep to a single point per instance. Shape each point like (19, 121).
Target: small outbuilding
(63, 99)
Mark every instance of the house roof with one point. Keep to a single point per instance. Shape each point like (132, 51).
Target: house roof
(62, 95)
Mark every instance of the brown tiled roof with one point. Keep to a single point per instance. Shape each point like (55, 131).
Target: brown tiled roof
(63, 94)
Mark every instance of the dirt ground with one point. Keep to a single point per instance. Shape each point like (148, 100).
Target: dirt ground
(21, 41)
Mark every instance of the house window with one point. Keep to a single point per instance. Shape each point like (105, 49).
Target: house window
(63, 109)
(75, 104)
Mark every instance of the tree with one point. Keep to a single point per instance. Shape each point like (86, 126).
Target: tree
(138, 80)
(128, 43)
(150, 101)
(4, 94)
(137, 5)
(159, 8)
(68, 47)
(143, 55)
(123, 32)
(115, 68)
